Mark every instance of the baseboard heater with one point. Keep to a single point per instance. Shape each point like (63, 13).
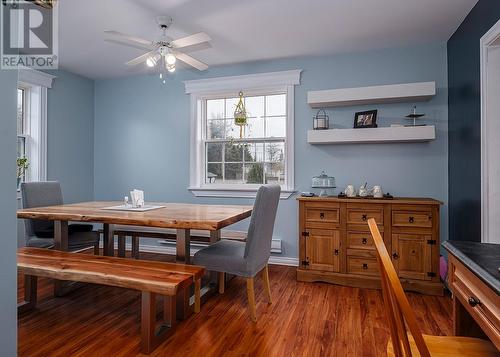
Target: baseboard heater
(275, 244)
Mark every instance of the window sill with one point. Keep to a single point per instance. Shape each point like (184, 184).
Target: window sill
(233, 192)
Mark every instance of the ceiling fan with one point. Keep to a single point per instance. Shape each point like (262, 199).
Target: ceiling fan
(163, 53)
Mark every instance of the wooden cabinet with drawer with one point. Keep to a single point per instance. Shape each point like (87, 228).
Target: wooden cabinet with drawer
(335, 244)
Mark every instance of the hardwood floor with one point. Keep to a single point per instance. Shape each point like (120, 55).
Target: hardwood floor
(305, 319)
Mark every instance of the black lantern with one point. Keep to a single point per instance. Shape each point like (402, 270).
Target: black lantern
(321, 120)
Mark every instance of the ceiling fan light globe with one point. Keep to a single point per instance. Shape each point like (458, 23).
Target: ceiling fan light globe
(170, 58)
(171, 69)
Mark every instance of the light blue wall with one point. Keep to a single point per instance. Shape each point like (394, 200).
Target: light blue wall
(8, 269)
(142, 132)
(70, 138)
(70, 135)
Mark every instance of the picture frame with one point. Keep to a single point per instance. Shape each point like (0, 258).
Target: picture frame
(366, 119)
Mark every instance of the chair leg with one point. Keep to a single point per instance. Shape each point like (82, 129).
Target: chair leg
(251, 299)
(121, 246)
(267, 286)
(222, 282)
(135, 247)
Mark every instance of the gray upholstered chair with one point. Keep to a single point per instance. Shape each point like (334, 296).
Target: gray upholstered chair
(248, 258)
(40, 233)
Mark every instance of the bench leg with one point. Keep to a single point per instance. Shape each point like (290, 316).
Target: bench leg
(30, 294)
(197, 295)
(151, 337)
(135, 247)
(121, 246)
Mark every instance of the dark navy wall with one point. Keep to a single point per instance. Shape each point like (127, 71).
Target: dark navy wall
(464, 121)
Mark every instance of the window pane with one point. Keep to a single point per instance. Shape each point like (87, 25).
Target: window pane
(254, 152)
(21, 146)
(215, 109)
(255, 106)
(254, 173)
(234, 153)
(276, 127)
(254, 128)
(214, 173)
(20, 111)
(231, 106)
(232, 130)
(214, 152)
(215, 129)
(275, 173)
(276, 104)
(233, 173)
(274, 152)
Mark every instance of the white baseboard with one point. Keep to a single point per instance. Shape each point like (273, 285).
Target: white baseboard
(164, 249)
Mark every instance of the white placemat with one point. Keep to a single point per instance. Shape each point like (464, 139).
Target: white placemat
(132, 208)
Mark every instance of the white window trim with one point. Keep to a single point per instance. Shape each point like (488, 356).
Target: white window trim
(36, 83)
(252, 83)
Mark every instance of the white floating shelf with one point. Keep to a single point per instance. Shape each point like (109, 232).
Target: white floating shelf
(406, 92)
(398, 134)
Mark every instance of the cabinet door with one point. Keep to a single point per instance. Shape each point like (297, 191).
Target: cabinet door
(323, 249)
(412, 256)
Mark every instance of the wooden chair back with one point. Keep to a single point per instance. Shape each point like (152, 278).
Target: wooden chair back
(397, 307)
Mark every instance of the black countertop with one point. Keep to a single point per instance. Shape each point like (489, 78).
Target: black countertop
(483, 259)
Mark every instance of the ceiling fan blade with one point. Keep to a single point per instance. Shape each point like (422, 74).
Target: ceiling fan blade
(191, 61)
(129, 44)
(120, 36)
(140, 59)
(191, 40)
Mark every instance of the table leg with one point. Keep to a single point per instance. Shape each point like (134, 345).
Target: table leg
(183, 254)
(60, 243)
(61, 235)
(183, 242)
(214, 236)
(108, 239)
(121, 246)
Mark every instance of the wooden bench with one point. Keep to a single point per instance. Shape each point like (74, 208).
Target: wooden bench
(150, 277)
(136, 232)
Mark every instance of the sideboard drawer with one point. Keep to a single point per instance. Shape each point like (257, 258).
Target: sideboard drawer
(323, 215)
(360, 240)
(412, 219)
(361, 216)
(481, 302)
(362, 266)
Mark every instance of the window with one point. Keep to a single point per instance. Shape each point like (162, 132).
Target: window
(257, 158)
(223, 164)
(22, 126)
(31, 122)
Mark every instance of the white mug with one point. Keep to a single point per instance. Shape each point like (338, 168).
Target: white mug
(377, 192)
(350, 191)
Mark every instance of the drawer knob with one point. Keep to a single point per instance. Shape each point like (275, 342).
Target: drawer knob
(411, 219)
(364, 241)
(364, 217)
(336, 252)
(322, 215)
(395, 256)
(365, 266)
(474, 301)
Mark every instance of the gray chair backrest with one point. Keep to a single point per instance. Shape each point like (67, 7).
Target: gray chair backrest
(40, 194)
(260, 230)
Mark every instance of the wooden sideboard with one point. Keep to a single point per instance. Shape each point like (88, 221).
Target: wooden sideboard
(335, 244)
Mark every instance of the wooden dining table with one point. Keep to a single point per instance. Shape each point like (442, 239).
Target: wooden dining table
(179, 216)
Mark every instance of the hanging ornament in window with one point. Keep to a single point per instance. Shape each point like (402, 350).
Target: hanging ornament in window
(240, 115)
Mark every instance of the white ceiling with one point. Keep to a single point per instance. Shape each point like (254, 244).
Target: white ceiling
(250, 30)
